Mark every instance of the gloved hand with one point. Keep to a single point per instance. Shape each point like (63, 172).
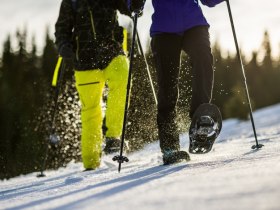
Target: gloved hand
(66, 51)
(137, 6)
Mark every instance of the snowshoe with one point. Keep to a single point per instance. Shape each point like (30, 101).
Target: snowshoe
(171, 157)
(205, 128)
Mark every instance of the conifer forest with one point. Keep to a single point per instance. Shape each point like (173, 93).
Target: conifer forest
(27, 100)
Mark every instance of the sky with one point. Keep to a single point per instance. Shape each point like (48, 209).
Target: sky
(251, 18)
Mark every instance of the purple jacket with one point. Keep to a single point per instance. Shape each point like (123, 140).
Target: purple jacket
(177, 16)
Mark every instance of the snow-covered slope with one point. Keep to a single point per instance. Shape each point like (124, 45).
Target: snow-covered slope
(231, 176)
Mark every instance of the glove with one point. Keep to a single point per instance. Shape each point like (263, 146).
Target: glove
(137, 6)
(68, 55)
(66, 51)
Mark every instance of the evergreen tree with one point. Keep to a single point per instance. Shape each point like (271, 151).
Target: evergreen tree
(236, 106)
(266, 50)
(269, 77)
(5, 110)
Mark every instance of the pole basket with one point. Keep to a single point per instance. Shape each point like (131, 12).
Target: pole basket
(120, 159)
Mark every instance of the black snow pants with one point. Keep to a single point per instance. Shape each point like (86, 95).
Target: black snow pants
(166, 48)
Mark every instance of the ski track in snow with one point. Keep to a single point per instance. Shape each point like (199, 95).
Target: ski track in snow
(231, 176)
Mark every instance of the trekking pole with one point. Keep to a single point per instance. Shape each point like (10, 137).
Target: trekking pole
(120, 158)
(147, 67)
(54, 138)
(257, 146)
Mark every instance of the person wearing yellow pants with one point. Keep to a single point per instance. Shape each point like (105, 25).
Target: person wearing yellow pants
(90, 85)
(87, 32)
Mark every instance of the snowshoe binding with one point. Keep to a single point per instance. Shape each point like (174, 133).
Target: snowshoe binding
(205, 128)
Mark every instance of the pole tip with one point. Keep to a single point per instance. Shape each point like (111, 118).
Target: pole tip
(258, 146)
(41, 175)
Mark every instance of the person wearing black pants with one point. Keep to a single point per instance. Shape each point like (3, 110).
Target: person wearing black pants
(167, 49)
(178, 25)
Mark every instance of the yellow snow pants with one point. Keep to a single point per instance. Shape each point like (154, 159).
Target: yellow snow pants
(90, 85)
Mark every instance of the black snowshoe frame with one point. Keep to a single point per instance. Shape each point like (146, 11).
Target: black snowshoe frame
(205, 128)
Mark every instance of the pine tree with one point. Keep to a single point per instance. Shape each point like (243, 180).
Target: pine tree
(5, 120)
(269, 77)
(236, 106)
(266, 50)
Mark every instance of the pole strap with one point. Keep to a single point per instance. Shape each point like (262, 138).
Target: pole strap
(56, 71)
(125, 49)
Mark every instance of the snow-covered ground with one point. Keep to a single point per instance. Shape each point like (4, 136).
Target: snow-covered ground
(231, 176)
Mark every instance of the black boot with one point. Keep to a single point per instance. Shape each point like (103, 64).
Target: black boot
(174, 156)
(113, 145)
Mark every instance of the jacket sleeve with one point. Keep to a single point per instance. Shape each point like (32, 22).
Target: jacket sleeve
(211, 3)
(64, 25)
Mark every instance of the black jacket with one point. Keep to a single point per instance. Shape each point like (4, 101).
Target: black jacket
(91, 27)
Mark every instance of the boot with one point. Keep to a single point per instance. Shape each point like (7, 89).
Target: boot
(174, 156)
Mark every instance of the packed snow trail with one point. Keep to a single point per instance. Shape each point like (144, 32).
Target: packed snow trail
(231, 176)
